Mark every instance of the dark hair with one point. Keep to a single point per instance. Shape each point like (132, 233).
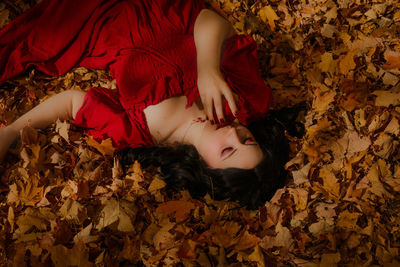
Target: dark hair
(181, 167)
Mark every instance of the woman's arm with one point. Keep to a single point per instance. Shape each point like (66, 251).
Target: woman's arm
(64, 105)
(210, 31)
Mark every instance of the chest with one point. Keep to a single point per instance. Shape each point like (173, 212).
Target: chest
(165, 117)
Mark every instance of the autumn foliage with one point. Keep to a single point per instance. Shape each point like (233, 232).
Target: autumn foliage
(66, 202)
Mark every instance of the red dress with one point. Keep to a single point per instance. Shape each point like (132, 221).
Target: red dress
(147, 46)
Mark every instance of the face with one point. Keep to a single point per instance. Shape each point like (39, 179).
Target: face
(232, 146)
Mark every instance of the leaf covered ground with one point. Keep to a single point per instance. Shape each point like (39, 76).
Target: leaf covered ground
(65, 202)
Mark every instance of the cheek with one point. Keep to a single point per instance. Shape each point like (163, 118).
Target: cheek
(209, 153)
(210, 148)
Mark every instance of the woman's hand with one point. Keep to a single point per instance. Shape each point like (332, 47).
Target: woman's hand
(210, 32)
(212, 89)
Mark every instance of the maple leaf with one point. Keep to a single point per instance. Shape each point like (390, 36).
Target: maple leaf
(78, 255)
(122, 213)
(180, 209)
(62, 128)
(73, 211)
(267, 14)
(225, 234)
(27, 193)
(105, 147)
(347, 63)
(283, 238)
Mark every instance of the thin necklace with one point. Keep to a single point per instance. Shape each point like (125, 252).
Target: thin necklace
(191, 123)
(187, 129)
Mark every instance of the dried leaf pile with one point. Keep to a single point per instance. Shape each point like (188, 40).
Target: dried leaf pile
(64, 201)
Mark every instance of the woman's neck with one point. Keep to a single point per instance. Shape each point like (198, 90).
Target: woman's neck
(169, 122)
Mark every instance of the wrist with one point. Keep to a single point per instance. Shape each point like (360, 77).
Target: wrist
(11, 130)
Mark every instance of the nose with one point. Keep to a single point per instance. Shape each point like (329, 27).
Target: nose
(233, 135)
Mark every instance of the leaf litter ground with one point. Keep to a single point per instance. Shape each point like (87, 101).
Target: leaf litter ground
(65, 202)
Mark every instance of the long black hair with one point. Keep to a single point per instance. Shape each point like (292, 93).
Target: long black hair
(182, 167)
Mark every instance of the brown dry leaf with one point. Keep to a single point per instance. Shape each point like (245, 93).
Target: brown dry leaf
(130, 251)
(78, 255)
(322, 100)
(268, 15)
(257, 256)
(73, 211)
(386, 98)
(11, 218)
(225, 234)
(392, 59)
(247, 241)
(301, 176)
(28, 193)
(330, 181)
(105, 147)
(348, 220)
(163, 239)
(283, 238)
(38, 218)
(122, 213)
(347, 63)
(188, 250)
(331, 259)
(156, 184)
(179, 209)
(326, 64)
(84, 235)
(62, 128)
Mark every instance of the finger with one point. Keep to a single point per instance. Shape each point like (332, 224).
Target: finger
(209, 110)
(218, 108)
(230, 97)
(231, 102)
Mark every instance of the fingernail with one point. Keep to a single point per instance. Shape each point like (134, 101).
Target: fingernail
(212, 122)
(221, 120)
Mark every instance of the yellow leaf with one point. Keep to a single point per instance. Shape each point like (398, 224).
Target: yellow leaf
(386, 98)
(180, 208)
(247, 241)
(331, 183)
(62, 128)
(326, 62)
(396, 15)
(156, 184)
(257, 256)
(268, 14)
(11, 218)
(121, 212)
(348, 220)
(105, 147)
(347, 63)
(330, 259)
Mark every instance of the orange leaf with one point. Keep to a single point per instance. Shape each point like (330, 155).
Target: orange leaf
(105, 147)
(180, 209)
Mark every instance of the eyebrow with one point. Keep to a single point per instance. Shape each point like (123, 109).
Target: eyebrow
(236, 149)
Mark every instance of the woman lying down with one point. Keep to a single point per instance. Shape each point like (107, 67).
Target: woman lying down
(189, 98)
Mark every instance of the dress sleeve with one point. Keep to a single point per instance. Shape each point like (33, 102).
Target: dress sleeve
(53, 36)
(183, 13)
(240, 67)
(102, 117)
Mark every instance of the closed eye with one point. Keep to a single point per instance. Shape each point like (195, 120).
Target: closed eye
(249, 140)
(226, 151)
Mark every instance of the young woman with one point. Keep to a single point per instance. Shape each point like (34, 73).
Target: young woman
(188, 87)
